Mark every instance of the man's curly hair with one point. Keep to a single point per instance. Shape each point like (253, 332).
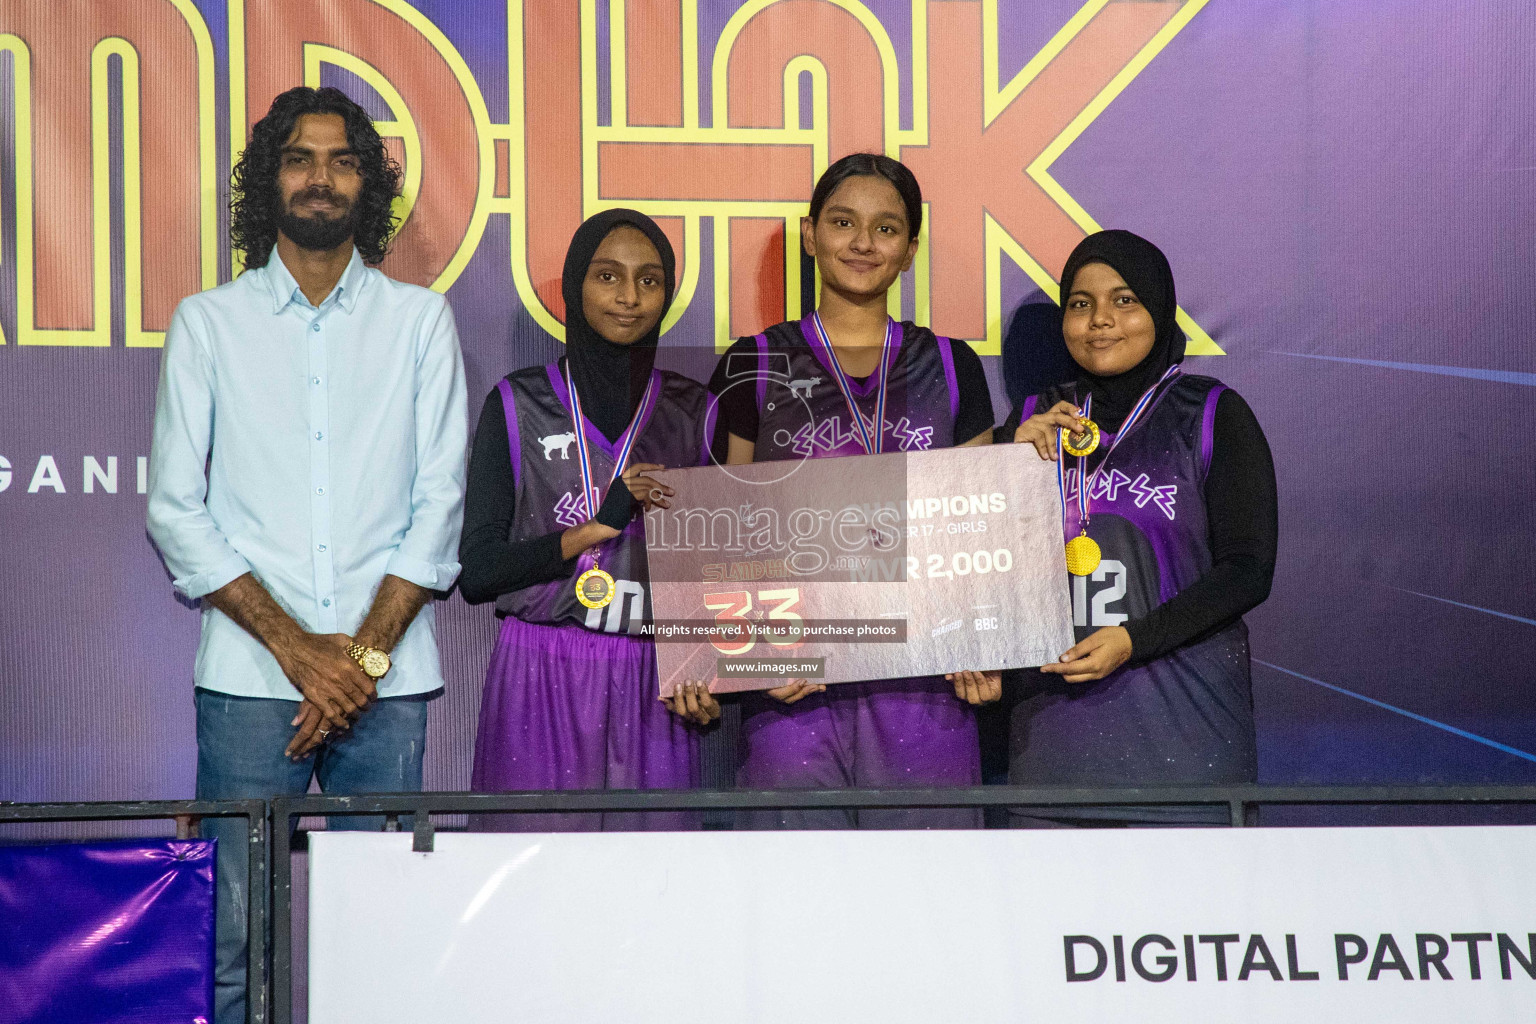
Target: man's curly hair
(255, 203)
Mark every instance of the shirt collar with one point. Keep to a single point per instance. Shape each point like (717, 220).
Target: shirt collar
(285, 289)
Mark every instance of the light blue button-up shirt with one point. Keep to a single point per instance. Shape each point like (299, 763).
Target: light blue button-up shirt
(318, 448)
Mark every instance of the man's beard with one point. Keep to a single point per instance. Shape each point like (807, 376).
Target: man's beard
(317, 233)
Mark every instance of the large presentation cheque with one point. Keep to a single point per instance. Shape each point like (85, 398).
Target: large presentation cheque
(871, 567)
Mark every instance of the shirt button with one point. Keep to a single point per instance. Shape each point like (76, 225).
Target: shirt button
(326, 602)
(321, 547)
(319, 490)
(319, 436)
(314, 327)
(314, 380)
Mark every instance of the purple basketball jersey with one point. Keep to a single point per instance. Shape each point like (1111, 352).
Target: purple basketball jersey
(673, 432)
(905, 732)
(802, 413)
(1186, 717)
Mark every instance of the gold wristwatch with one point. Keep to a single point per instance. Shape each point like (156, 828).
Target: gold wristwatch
(374, 661)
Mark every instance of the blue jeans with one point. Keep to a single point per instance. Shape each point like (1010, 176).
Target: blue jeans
(240, 744)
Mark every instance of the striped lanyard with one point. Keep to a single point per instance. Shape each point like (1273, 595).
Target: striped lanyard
(626, 440)
(1084, 481)
(872, 445)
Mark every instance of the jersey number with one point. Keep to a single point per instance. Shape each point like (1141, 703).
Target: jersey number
(1098, 614)
(623, 613)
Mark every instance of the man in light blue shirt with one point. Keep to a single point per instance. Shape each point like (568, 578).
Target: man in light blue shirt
(307, 484)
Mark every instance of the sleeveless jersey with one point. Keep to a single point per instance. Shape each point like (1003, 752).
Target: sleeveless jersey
(674, 431)
(1188, 716)
(802, 413)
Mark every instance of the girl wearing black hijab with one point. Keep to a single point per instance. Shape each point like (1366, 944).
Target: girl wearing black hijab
(553, 534)
(1168, 545)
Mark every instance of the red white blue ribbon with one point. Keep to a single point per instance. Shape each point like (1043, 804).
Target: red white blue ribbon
(1084, 481)
(626, 441)
(872, 445)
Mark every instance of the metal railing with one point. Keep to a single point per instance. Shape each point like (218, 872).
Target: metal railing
(271, 831)
(1239, 802)
(186, 814)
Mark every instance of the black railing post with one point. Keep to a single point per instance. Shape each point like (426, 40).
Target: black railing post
(423, 838)
(282, 910)
(258, 898)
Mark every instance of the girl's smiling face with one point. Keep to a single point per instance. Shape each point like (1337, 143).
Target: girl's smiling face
(1107, 329)
(861, 240)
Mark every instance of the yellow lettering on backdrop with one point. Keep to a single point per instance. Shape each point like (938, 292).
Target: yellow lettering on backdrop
(793, 85)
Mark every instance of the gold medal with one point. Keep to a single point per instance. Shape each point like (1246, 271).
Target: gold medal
(594, 588)
(1082, 555)
(1086, 442)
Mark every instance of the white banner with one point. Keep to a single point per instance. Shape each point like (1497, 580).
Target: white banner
(1154, 925)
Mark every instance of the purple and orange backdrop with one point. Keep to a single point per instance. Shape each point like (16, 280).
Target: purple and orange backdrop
(1347, 192)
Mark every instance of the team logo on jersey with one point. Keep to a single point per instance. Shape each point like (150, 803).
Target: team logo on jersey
(562, 442)
(804, 384)
(828, 435)
(570, 510)
(1108, 487)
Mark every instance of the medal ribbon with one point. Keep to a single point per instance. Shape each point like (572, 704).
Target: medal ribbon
(1084, 481)
(626, 441)
(873, 445)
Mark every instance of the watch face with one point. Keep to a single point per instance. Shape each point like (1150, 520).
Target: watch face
(374, 662)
